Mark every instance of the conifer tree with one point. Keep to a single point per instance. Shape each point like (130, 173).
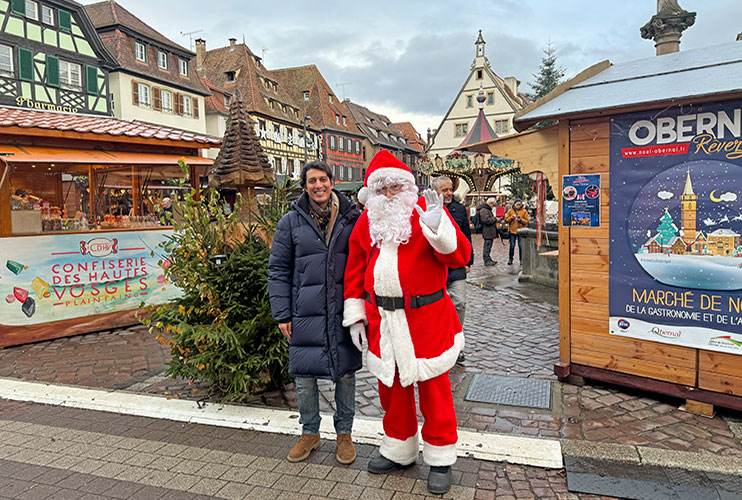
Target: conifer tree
(548, 76)
(667, 229)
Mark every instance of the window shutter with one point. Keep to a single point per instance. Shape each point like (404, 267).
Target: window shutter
(19, 7)
(135, 93)
(91, 74)
(156, 99)
(178, 104)
(52, 71)
(25, 64)
(194, 106)
(64, 19)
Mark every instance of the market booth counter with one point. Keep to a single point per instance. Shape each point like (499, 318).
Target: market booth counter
(649, 163)
(79, 225)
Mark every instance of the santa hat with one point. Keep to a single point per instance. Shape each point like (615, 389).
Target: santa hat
(384, 164)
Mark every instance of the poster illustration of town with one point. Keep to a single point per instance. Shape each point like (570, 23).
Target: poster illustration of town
(676, 226)
(62, 276)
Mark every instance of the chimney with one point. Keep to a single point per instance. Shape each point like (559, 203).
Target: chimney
(512, 84)
(200, 53)
(232, 43)
(667, 26)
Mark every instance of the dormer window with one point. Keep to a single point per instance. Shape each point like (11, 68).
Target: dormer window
(230, 76)
(140, 52)
(226, 101)
(329, 96)
(337, 118)
(183, 66)
(161, 59)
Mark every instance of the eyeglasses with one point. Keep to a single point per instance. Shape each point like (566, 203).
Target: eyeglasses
(393, 189)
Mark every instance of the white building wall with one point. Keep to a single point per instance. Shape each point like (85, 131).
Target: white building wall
(124, 109)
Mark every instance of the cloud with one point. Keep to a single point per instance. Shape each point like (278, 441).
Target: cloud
(665, 195)
(728, 196)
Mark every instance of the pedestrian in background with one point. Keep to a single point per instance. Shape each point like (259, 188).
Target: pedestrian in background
(517, 218)
(305, 285)
(489, 229)
(456, 283)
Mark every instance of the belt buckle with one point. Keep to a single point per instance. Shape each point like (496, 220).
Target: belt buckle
(388, 303)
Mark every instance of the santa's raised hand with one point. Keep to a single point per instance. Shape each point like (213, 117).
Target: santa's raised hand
(431, 217)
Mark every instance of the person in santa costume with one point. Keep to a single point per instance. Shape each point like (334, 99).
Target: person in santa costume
(395, 278)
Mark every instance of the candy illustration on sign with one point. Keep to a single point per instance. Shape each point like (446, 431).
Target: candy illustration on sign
(14, 267)
(99, 247)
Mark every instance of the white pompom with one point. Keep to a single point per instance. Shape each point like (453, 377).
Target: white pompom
(363, 195)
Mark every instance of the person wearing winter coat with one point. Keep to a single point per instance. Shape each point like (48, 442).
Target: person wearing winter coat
(395, 288)
(489, 229)
(305, 286)
(517, 218)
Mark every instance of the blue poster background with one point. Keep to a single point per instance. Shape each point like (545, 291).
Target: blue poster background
(581, 200)
(675, 226)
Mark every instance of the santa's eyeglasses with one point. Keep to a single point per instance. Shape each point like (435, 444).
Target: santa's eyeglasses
(392, 189)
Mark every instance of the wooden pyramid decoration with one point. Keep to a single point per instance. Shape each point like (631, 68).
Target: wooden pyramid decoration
(241, 161)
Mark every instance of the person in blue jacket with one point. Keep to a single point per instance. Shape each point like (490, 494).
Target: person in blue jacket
(305, 285)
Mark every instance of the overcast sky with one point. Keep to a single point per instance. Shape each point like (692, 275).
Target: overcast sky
(409, 58)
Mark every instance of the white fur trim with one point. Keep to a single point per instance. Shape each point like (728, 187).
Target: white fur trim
(444, 240)
(363, 195)
(426, 368)
(439, 456)
(402, 452)
(354, 310)
(391, 172)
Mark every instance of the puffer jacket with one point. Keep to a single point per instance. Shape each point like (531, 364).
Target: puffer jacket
(460, 216)
(305, 286)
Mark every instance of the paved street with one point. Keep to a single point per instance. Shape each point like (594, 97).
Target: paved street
(508, 333)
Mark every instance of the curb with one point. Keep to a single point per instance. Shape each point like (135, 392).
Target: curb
(484, 446)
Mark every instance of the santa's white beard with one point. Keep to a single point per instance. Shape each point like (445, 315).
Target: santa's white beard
(389, 219)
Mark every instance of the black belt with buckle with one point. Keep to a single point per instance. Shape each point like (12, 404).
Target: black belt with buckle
(394, 303)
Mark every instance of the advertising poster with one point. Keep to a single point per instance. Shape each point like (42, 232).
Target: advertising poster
(676, 226)
(61, 276)
(581, 200)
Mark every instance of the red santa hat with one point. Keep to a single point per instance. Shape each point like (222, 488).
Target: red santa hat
(384, 164)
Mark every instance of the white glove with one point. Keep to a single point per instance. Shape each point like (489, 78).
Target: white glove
(358, 335)
(434, 209)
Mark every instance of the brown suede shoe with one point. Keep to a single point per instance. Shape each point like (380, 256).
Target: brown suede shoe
(346, 451)
(302, 449)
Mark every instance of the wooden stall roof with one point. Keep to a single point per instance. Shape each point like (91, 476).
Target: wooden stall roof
(606, 88)
(534, 150)
(30, 122)
(33, 154)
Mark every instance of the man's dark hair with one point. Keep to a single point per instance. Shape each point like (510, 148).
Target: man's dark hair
(317, 165)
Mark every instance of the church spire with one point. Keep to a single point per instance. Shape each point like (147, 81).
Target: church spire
(688, 190)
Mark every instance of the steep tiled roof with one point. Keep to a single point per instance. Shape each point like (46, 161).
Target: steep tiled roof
(325, 113)
(377, 128)
(121, 46)
(101, 125)
(250, 79)
(413, 138)
(110, 13)
(214, 103)
(241, 160)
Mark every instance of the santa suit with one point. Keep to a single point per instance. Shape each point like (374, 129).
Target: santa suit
(409, 345)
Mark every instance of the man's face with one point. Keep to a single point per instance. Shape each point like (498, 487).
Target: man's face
(445, 189)
(390, 190)
(319, 186)
(518, 205)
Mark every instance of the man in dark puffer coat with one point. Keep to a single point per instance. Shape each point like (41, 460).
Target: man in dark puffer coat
(305, 284)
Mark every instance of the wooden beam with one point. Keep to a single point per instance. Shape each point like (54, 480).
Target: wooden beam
(5, 223)
(657, 386)
(136, 198)
(565, 254)
(91, 195)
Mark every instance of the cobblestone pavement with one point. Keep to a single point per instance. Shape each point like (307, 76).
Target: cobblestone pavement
(507, 333)
(49, 452)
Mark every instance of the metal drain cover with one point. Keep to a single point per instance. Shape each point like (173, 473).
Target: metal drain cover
(512, 391)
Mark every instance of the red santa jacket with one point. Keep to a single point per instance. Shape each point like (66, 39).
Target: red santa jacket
(421, 342)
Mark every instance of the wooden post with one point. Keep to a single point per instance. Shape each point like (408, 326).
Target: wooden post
(565, 309)
(136, 198)
(5, 224)
(91, 195)
(195, 181)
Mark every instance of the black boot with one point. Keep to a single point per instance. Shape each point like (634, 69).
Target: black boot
(382, 465)
(439, 480)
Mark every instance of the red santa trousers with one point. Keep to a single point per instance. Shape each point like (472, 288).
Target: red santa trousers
(400, 443)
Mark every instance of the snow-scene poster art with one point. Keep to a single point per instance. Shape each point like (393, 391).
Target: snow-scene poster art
(676, 226)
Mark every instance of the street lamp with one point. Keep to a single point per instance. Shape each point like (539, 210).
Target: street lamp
(304, 123)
